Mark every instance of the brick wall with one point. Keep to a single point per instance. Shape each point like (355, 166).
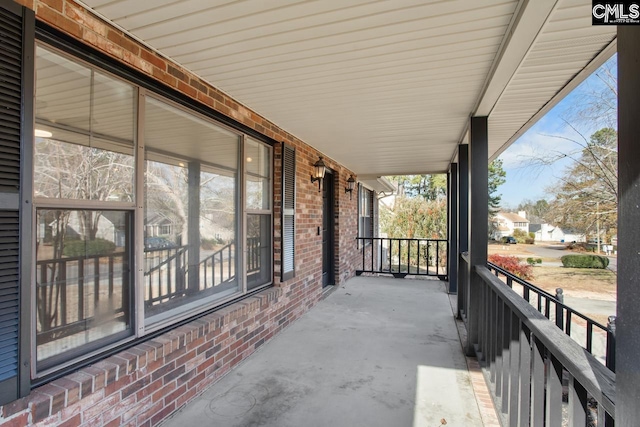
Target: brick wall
(144, 384)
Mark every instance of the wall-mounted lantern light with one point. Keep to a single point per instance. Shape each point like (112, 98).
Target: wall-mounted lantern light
(351, 184)
(319, 168)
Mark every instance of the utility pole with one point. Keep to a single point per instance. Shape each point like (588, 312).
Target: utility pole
(598, 223)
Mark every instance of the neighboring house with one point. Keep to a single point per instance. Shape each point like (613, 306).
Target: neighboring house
(505, 223)
(547, 232)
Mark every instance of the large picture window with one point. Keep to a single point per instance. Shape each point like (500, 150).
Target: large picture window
(190, 222)
(124, 177)
(84, 199)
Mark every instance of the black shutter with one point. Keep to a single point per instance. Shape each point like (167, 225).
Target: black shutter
(288, 264)
(17, 29)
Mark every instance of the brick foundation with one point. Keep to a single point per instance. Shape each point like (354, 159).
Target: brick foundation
(146, 383)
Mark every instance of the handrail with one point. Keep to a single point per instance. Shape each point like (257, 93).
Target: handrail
(595, 378)
(561, 308)
(179, 251)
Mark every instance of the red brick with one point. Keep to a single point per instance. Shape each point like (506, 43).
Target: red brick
(85, 19)
(164, 413)
(153, 59)
(74, 421)
(12, 408)
(54, 4)
(124, 42)
(58, 20)
(100, 407)
(17, 421)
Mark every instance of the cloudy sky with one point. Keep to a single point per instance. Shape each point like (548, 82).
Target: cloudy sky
(551, 134)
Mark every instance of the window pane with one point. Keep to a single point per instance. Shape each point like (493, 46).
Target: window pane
(84, 132)
(258, 175)
(82, 280)
(190, 212)
(258, 250)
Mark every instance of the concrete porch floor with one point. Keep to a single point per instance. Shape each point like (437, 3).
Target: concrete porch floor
(375, 352)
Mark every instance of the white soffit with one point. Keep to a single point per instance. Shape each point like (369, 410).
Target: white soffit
(384, 87)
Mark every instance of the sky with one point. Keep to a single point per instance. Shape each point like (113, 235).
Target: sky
(550, 134)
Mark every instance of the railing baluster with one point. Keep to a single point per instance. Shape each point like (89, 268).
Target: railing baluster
(437, 258)
(524, 392)
(80, 289)
(537, 384)
(222, 269)
(96, 281)
(408, 256)
(589, 336)
(567, 329)
(506, 356)
(514, 374)
(577, 404)
(62, 280)
(372, 255)
(418, 256)
(553, 407)
(111, 274)
(499, 346)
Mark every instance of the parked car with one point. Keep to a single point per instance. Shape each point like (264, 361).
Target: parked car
(151, 243)
(509, 240)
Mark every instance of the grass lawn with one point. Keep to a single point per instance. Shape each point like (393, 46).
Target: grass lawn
(577, 282)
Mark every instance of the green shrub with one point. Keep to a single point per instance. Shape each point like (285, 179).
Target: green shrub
(534, 261)
(585, 261)
(529, 241)
(520, 235)
(98, 246)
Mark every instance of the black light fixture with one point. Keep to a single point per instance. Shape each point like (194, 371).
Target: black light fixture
(319, 168)
(351, 184)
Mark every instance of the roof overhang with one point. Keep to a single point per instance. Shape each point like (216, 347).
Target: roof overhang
(383, 87)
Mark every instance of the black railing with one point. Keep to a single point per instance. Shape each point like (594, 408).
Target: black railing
(218, 266)
(564, 317)
(402, 257)
(65, 286)
(539, 376)
(165, 274)
(70, 290)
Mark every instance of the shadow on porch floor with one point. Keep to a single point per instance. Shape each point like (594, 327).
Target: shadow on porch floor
(375, 352)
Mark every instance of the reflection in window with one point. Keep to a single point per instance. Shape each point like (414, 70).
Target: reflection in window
(82, 279)
(190, 227)
(258, 250)
(258, 170)
(259, 219)
(84, 138)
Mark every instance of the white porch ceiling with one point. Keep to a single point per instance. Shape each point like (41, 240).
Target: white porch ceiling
(384, 87)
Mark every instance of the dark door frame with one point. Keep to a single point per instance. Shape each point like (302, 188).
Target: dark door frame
(328, 229)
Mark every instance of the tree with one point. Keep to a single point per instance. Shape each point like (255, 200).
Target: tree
(539, 208)
(587, 197)
(497, 177)
(429, 187)
(415, 217)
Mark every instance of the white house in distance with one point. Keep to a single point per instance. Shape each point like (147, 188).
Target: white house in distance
(552, 233)
(506, 222)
